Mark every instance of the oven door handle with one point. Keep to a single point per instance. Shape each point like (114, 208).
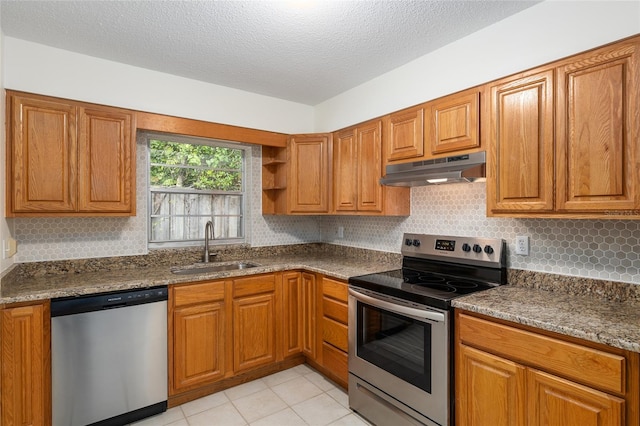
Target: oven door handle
(418, 314)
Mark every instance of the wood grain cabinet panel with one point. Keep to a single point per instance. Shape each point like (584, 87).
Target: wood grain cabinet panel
(564, 140)
(253, 331)
(553, 400)
(26, 365)
(198, 346)
(478, 371)
(309, 179)
(454, 122)
(345, 166)
(68, 158)
(105, 146)
(507, 374)
(42, 156)
(293, 327)
(405, 134)
(310, 315)
(597, 130)
(521, 145)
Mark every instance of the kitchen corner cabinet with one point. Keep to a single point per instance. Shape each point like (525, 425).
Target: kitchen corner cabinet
(309, 174)
(357, 169)
(507, 374)
(26, 365)
(198, 337)
(309, 286)
(67, 158)
(564, 139)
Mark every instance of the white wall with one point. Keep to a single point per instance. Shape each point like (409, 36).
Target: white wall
(4, 223)
(543, 33)
(37, 68)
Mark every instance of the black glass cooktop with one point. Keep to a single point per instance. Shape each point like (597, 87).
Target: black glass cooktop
(432, 288)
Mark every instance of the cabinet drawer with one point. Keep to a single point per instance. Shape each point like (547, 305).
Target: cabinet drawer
(254, 285)
(335, 361)
(335, 289)
(198, 293)
(582, 364)
(335, 310)
(335, 333)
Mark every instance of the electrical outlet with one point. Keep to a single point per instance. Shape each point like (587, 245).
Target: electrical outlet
(9, 248)
(340, 231)
(522, 245)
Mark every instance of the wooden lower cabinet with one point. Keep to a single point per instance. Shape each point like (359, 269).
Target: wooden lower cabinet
(254, 322)
(197, 335)
(26, 365)
(333, 330)
(309, 315)
(507, 374)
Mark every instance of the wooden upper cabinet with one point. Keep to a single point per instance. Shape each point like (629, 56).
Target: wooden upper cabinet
(309, 175)
(67, 158)
(345, 165)
(405, 134)
(357, 168)
(105, 150)
(597, 140)
(41, 156)
(454, 123)
(369, 172)
(520, 147)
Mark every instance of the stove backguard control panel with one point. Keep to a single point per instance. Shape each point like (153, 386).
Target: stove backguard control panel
(490, 252)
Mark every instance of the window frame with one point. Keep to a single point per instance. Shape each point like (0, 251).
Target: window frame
(243, 193)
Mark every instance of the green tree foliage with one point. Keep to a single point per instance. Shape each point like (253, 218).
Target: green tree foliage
(201, 167)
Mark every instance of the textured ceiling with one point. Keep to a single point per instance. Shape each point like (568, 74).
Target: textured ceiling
(302, 51)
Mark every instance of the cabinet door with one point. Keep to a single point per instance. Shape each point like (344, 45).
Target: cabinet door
(26, 366)
(597, 131)
(106, 161)
(454, 123)
(253, 331)
(405, 134)
(345, 166)
(489, 390)
(369, 171)
(309, 181)
(309, 315)
(43, 156)
(556, 401)
(520, 152)
(293, 313)
(198, 346)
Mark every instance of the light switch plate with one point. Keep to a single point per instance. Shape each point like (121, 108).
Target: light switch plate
(9, 248)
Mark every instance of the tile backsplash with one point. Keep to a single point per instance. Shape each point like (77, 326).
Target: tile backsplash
(589, 248)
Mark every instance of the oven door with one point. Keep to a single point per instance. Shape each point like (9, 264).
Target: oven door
(399, 355)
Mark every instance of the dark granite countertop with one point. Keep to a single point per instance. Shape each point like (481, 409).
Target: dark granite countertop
(71, 280)
(595, 310)
(610, 317)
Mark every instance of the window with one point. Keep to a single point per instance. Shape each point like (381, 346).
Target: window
(192, 181)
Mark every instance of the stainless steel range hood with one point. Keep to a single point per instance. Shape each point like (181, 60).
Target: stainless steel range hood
(459, 168)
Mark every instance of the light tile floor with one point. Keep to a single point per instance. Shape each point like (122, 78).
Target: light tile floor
(297, 396)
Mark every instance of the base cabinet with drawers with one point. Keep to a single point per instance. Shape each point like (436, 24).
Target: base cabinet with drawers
(507, 374)
(334, 329)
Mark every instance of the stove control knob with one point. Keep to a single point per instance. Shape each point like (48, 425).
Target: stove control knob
(466, 247)
(416, 243)
(477, 248)
(407, 242)
(488, 249)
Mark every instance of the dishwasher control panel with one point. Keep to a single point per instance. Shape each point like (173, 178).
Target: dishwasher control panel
(113, 300)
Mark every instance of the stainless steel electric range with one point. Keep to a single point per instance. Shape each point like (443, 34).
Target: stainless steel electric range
(400, 327)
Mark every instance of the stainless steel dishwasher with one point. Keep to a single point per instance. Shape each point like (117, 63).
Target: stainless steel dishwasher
(109, 357)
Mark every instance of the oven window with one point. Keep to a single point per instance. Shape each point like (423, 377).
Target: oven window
(397, 344)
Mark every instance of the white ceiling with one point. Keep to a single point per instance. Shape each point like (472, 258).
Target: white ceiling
(302, 51)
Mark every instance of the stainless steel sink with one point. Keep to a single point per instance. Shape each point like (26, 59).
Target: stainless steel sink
(215, 267)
